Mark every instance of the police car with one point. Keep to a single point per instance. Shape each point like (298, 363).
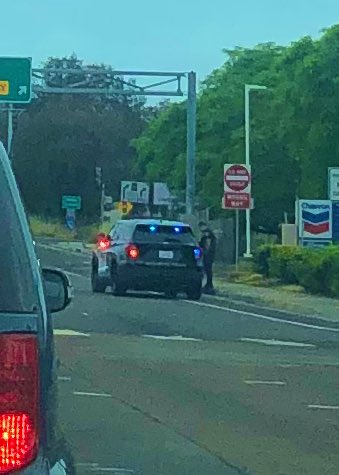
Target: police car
(148, 255)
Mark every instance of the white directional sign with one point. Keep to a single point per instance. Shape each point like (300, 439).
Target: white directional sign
(161, 194)
(333, 184)
(135, 192)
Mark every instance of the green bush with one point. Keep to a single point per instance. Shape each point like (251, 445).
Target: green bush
(331, 271)
(317, 270)
(261, 258)
(282, 263)
(311, 271)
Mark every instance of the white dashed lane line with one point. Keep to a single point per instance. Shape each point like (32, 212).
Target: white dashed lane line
(319, 406)
(95, 467)
(293, 344)
(66, 332)
(171, 338)
(82, 393)
(268, 383)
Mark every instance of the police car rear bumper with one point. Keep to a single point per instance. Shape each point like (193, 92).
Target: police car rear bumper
(159, 277)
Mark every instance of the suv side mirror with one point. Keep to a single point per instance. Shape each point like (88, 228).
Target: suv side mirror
(58, 289)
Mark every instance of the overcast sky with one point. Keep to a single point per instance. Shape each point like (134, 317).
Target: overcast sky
(149, 34)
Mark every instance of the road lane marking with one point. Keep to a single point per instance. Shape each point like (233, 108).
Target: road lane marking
(263, 317)
(65, 332)
(94, 467)
(271, 383)
(319, 406)
(64, 378)
(277, 343)
(171, 338)
(113, 470)
(82, 393)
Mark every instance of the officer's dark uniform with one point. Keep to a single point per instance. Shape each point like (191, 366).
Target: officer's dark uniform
(208, 245)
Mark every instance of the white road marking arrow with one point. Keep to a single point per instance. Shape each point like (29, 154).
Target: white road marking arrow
(22, 90)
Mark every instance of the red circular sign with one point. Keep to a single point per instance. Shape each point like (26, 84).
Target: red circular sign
(237, 178)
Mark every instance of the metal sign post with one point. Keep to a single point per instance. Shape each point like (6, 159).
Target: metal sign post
(237, 232)
(237, 196)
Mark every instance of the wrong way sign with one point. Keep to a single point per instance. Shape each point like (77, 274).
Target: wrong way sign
(237, 186)
(237, 178)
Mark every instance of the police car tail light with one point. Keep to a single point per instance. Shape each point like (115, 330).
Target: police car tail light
(19, 401)
(132, 252)
(103, 243)
(197, 253)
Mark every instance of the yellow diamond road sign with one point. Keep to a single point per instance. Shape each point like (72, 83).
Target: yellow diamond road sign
(4, 88)
(124, 207)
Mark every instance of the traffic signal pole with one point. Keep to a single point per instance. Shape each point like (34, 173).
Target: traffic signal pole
(129, 83)
(191, 142)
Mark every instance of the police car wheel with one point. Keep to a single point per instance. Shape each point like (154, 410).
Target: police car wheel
(97, 285)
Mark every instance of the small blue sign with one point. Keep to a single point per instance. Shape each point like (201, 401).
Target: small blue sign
(315, 243)
(70, 219)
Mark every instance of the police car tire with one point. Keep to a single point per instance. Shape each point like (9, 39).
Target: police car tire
(97, 285)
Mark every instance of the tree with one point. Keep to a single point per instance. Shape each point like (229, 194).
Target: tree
(294, 127)
(60, 139)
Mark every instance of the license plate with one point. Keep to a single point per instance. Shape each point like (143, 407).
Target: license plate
(166, 254)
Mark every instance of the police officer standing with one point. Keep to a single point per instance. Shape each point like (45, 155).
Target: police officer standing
(208, 244)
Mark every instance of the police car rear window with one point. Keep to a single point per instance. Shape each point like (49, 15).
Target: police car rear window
(163, 233)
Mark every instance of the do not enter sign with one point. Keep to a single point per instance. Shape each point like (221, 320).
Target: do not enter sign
(237, 186)
(237, 178)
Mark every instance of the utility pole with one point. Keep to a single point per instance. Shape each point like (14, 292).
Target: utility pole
(191, 145)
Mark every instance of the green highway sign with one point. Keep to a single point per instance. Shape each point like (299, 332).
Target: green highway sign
(71, 202)
(15, 80)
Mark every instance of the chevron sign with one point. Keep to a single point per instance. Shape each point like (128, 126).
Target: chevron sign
(315, 219)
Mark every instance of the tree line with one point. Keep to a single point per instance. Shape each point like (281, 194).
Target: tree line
(294, 128)
(60, 139)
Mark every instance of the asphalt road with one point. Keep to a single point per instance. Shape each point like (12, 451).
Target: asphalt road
(152, 386)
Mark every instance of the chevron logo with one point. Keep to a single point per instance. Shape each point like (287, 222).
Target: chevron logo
(316, 222)
(316, 229)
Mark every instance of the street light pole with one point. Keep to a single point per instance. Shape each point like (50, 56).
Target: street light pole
(248, 89)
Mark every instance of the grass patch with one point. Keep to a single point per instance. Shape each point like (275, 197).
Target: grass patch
(53, 229)
(41, 227)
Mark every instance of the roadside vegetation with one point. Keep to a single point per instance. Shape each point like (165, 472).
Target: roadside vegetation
(294, 128)
(41, 227)
(316, 270)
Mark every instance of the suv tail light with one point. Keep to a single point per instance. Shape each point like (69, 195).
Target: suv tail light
(197, 253)
(103, 243)
(132, 252)
(19, 401)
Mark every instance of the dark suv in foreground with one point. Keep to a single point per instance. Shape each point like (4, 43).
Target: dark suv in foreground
(148, 255)
(29, 437)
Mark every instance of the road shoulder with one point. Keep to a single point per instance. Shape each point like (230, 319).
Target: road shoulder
(280, 301)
